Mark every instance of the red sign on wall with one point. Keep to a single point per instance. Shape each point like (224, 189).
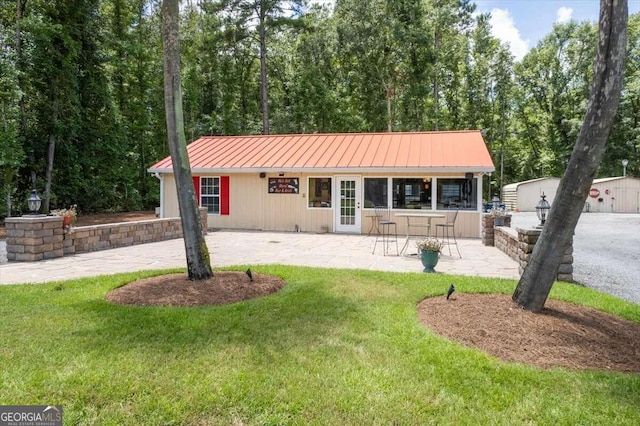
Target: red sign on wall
(594, 192)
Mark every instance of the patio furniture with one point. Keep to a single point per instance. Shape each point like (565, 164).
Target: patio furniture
(450, 223)
(374, 223)
(409, 217)
(384, 227)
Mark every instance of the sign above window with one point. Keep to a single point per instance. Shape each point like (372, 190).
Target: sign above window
(284, 185)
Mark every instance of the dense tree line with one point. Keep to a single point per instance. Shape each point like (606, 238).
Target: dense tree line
(82, 102)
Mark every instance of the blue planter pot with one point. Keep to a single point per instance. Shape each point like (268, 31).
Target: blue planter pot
(429, 260)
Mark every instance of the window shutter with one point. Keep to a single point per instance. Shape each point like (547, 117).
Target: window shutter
(196, 186)
(224, 195)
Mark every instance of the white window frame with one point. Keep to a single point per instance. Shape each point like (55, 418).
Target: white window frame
(389, 181)
(309, 189)
(212, 196)
(432, 187)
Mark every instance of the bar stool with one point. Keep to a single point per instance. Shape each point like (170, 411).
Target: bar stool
(385, 224)
(450, 223)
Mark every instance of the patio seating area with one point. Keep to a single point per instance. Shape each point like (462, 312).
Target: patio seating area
(253, 248)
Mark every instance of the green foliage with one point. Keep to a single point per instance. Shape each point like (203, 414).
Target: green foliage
(555, 78)
(89, 78)
(625, 137)
(332, 347)
(11, 152)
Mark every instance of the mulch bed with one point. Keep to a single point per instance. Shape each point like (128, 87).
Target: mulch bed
(177, 290)
(562, 335)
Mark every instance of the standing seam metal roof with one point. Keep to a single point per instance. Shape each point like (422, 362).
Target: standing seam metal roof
(338, 151)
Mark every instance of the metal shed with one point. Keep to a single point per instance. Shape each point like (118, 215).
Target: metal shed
(614, 195)
(524, 196)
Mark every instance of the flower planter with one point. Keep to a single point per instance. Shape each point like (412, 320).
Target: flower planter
(66, 221)
(429, 260)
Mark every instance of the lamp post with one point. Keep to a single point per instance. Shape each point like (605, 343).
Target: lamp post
(34, 202)
(542, 209)
(624, 167)
(495, 203)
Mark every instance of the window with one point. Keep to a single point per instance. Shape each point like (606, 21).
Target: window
(458, 194)
(210, 194)
(375, 192)
(412, 193)
(320, 192)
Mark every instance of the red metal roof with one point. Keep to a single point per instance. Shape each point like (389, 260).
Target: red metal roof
(338, 152)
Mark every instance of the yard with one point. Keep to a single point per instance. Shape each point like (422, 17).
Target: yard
(331, 347)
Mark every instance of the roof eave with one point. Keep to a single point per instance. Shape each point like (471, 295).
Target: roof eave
(337, 170)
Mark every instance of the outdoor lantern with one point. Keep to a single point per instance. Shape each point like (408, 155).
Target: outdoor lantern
(495, 201)
(542, 209)
(34, 202)
(624, 167)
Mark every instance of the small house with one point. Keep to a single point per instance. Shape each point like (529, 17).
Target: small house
(331, 182)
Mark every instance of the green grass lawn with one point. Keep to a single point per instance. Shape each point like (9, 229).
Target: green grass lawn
(334, 347)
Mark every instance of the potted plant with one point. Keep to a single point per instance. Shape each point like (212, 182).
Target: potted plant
(429, 249)
(498, 216)
(69, 216)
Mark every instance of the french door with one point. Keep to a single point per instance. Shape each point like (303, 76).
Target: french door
(347, 213)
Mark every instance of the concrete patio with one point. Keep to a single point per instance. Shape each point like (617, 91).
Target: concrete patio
(255, 248)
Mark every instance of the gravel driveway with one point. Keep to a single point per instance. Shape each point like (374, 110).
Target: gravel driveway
(606, 251)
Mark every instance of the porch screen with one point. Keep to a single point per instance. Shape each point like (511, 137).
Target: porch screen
(458, 194)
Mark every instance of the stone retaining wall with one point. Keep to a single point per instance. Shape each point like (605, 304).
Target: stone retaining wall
(39, 237)
(83, 239)
(33, 238)
(518, 244)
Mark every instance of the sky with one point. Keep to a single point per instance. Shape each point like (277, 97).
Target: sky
(523, 23)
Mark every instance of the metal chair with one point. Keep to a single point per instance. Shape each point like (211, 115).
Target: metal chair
(450, 223)
(384, 225)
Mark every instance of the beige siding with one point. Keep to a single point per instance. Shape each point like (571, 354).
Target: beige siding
(616, 196)
(253, 207)
(525, 196)
(467, 224)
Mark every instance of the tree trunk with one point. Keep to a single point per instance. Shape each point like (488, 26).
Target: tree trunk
(538, 278)
(51, 151)
(436, 93)
(20, 6)
(264, 90)
(197, 253)
(389, 90)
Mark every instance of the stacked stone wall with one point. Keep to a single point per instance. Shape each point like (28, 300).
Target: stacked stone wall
(39, 237)
(519, 244)
(107, 236)
(33, 238)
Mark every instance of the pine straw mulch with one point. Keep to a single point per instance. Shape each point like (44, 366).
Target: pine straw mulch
(563, 335)
(177, 290)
